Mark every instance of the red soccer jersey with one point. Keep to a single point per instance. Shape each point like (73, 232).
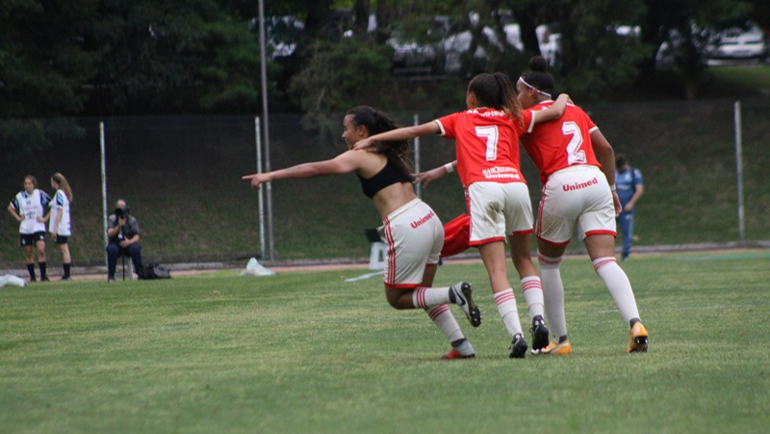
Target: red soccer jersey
(561, 143)
(487, 144)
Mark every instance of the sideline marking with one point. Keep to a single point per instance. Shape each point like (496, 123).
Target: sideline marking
(723, 256)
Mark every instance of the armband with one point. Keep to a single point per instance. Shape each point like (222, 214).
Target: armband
(449, 168)
(613, 187)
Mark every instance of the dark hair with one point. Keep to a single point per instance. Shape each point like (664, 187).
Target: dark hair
(538, 76)
(496, 91)
(377, 122)
(31, 178)
(620, 160)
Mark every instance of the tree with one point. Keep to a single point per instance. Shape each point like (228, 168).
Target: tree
(688, 28)
(342, 74)
(43, 63)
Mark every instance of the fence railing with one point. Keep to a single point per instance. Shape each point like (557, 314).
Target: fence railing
(181, 178)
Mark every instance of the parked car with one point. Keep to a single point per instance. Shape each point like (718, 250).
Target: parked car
(740, 44)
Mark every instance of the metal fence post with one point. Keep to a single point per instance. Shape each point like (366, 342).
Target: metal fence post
(417, 155)
(739, 168)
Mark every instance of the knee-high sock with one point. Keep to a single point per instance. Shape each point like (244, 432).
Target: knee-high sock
(424, 297)
(533, 295)
(506, 306)
(553, 291)
(446, 322)
(620, 288)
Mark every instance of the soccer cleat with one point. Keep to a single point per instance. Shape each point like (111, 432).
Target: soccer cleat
(638, 340)
(539, 335)
(518, 347)
(454, 354)
(462, 296)
(44, 279)
(561, 349)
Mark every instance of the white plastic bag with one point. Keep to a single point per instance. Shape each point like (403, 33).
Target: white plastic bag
(254, 268)
(11, 280)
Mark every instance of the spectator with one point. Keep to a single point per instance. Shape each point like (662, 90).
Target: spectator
(28, 208)
(630, 185)
(123, 234)
(59, 225)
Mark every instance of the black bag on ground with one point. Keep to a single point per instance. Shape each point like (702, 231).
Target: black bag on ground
(155, 271)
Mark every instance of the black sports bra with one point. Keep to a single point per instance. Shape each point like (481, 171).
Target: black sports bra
(390, 174)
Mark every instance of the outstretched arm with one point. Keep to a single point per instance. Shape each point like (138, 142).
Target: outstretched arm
(554, 111)
(606, 154)
(434, 174)
(343, 163)
(404, 133)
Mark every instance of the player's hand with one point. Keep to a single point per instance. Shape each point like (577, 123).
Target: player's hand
(616, 202)
(256, 180)
(628, 207)
(426, 177)
(363, 144)
(53, 235)
(40, 220)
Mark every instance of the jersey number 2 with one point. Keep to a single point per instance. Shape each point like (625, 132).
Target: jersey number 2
(574, 154)
(490, 133)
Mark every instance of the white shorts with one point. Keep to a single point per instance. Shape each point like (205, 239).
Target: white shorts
(498, 210)
(414, 235)
(575, 195)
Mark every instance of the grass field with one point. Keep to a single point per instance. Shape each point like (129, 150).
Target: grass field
(307, 352)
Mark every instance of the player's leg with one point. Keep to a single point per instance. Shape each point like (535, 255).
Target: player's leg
(64, 249)
(486, 206)
(555, 222)
(413, 255)
(519, 226)
(493, 256)
(443, 319)
(29, 259)
(521, 255)
(549, 258)
(600, 249)
(41, 259)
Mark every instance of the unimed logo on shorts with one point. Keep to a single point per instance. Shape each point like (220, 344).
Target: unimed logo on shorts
(579, 185)
(416, 224)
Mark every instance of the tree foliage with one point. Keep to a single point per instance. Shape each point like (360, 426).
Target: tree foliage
(109, 57)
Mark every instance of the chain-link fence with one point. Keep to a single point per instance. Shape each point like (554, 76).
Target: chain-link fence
(181, 178)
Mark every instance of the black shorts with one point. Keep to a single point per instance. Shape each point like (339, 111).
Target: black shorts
(61, 239)
(31, 239)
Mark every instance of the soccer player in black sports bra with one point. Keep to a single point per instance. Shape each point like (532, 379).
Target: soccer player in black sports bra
(412, 230)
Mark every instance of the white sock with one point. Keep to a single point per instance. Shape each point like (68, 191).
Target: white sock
(424, 297)
(506, 306)
(446, 322)
(620, 288)
(533, 295)
(553, 291)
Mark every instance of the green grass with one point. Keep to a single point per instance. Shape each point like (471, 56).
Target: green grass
(307, 352)
(754, 77)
